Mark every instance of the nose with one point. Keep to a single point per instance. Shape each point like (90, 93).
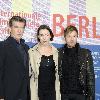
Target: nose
(71, 38)
(44, 37)
(19, 30)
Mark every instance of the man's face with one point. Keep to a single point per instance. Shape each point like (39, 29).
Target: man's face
(17, 30)
(44, 36)
(71, 39)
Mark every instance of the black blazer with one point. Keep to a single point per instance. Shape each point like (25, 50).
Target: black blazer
(14, 75)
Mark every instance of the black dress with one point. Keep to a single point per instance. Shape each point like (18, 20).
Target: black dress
(46, 79)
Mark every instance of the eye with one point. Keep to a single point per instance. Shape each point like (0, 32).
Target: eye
(75, 36)
(18, 27)
(15, 26)
(40, 34)
(47, 35)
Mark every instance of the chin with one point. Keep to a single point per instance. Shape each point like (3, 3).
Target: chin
(71, 46)
(18, 39)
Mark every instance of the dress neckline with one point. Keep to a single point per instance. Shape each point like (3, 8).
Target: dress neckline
(47, 56)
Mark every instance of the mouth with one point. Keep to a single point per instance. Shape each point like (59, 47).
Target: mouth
(44, 41)
(19, 34)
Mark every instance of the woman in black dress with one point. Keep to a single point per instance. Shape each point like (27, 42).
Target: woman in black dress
(44, 63)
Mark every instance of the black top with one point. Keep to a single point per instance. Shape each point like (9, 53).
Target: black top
(46, 79)
(70, 71)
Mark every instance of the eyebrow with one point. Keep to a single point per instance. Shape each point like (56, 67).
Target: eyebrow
(17, 26)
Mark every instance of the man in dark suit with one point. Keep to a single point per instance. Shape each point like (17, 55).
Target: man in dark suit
(14, 71)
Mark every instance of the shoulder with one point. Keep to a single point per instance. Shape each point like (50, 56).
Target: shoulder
(32, 49)
(3, 47)
(3, 44)
(26, 46)
(85, 51)
(61, 50)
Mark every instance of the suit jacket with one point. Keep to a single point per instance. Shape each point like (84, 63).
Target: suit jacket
(86, 75)
(14, 74)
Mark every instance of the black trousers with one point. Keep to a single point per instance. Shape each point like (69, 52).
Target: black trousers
(72, 97)
(28, 95)
(47, 96)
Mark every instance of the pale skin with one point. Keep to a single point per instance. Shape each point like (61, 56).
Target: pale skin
(16, 31)
(44, 43)
(71, 39)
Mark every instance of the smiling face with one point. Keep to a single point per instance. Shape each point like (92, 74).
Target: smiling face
(17, 30)
(71, 39)
(44, 36)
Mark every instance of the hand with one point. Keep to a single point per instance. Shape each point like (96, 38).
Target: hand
(1, 99)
